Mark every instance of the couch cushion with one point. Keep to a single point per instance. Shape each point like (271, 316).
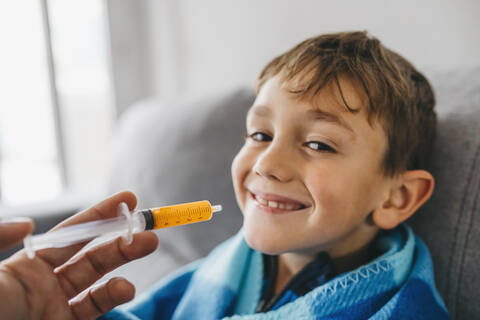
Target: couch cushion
(450, 222)
(178, 152)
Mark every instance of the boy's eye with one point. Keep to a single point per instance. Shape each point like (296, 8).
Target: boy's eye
(259, 136)
(319, 146)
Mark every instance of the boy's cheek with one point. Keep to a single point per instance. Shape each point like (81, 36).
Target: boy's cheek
(343, 197)
(235, 170)
(333, 195)
(239, 172)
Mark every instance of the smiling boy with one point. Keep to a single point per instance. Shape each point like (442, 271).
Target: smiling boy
(333, 164)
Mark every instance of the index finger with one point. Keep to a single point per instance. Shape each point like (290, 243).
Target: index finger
(12, 231)
(103, 210)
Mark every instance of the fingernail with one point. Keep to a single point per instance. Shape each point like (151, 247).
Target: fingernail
(8, 220)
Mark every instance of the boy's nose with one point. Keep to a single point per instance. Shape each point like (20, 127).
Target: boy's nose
(275, 164)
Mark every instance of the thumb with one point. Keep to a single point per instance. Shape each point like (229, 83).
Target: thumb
(13, 230)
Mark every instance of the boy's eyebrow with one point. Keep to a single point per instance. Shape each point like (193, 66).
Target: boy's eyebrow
(316, 114)
(259, 110)
(313, 115)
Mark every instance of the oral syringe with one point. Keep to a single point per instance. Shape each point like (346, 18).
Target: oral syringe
(125, 225)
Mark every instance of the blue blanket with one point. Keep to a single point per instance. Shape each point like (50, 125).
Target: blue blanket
(399, 284)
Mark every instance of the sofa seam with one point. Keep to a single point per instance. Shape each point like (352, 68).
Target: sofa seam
(469, 229)
(457, 231)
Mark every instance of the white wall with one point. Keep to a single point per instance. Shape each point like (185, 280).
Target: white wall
(129, 50)
(198, 47)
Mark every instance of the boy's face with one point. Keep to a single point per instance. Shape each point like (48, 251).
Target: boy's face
(308, 176)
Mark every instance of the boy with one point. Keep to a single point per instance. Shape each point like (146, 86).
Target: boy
(333, 163)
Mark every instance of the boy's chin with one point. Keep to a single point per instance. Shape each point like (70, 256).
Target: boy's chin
(264, 244)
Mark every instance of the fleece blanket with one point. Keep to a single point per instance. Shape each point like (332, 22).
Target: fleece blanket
(227, 284)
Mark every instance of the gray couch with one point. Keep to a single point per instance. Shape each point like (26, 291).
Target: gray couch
(176, 152)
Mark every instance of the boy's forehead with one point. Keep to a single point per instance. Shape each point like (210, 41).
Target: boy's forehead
(336, 95)
(331, 102)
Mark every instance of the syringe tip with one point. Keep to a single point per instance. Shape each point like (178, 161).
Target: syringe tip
(216, 208)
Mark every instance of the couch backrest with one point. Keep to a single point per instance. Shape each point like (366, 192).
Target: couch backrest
(181, 152)
(450, 222)
(170, 153)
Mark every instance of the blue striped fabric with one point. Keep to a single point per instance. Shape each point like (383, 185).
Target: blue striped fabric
(228, 284)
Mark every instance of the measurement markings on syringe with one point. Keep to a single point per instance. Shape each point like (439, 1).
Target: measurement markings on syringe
(174, 216)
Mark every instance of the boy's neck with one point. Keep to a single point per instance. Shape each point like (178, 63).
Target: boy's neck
(355, 259)
(289, 264)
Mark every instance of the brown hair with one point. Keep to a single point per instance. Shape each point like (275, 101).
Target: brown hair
(399, 96)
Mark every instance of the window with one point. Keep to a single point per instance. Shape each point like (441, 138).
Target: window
(56, 109)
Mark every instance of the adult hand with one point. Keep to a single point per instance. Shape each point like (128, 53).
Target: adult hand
(13, 230)
(56, 283)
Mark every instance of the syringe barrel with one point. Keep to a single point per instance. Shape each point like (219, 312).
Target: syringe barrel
(181, 214)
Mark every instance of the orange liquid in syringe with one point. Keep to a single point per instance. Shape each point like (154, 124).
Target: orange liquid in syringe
(181, 214)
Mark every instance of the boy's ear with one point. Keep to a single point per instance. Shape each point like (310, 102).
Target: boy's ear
(411, 190)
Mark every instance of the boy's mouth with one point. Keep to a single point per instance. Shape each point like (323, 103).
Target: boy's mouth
(271, 201)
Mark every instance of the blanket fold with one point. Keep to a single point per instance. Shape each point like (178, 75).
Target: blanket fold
(227, 284)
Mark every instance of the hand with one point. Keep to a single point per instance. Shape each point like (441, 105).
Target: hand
(12, 231)
(52, 285)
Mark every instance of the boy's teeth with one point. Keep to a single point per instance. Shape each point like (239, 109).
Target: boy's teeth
(276, 204)
(262, 201)
(273, 204)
